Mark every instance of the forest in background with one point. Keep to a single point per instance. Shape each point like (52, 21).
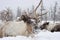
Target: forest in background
(53, 14)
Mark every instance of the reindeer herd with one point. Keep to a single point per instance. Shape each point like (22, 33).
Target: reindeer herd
(25, 26)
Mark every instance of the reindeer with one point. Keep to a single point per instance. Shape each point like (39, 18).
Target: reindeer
(52, 27)
(23, 27)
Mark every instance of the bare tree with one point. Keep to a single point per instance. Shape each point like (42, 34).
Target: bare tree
(18, 12)
(9, 15)
(55, 9)
(41, 9)
(6, 15)
(3, 15)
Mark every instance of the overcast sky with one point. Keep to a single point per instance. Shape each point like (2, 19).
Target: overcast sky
(24, 4)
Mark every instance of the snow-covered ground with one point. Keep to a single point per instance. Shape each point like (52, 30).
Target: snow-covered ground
(40, 36)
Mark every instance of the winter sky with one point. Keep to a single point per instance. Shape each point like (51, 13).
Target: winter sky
(24, 4)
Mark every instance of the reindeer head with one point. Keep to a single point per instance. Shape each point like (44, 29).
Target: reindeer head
(26, 18)
(44, 25)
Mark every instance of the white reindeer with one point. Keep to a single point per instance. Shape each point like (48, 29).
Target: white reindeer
(23, 27)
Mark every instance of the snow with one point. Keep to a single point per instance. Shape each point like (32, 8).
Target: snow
(40, 36)
(48, 36)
